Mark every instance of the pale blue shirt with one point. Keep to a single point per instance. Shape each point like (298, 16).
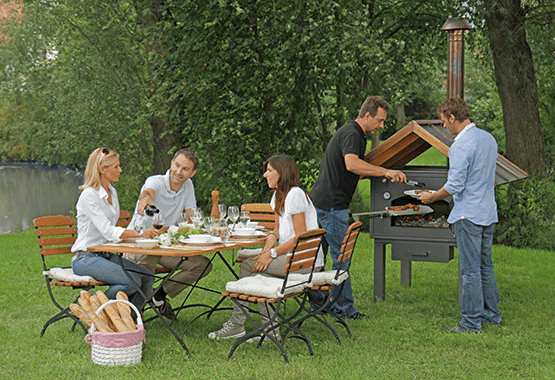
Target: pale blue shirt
(170, 203)
(96, 218)
(471, 176)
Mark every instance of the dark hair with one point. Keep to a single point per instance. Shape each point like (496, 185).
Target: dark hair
(371, 106)
(189, 154)
(456, 107)
(288, 177)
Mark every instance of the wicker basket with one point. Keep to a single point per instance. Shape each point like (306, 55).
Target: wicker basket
(117, 348)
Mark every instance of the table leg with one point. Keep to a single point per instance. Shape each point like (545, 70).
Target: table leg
(148, 299)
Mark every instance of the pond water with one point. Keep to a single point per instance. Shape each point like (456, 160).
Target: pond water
(32, 189)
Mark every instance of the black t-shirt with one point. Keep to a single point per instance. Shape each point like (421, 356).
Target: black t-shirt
(335, 185)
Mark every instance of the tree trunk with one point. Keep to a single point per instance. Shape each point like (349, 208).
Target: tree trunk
(516, 82)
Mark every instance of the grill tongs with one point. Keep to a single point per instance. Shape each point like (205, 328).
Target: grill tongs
(422, 210)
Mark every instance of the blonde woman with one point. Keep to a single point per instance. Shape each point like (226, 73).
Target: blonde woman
(97, 215)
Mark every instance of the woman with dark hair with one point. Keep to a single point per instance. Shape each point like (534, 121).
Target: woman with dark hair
(97, 215)
(295, 214)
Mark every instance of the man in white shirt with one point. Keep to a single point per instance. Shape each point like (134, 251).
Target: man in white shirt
(173, 194)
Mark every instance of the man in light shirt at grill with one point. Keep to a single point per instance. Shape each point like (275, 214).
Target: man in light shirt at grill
(471, 181)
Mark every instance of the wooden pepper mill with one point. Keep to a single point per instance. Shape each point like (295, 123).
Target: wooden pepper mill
(215, 213)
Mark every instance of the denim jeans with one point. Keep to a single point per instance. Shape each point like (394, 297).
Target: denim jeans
(480, 296)
(336, 224)
(105, 267)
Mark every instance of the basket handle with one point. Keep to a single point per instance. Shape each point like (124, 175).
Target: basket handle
(99, 310)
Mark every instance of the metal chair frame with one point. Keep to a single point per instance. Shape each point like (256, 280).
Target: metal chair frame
(303, 256)
(347, 249)
(56, 235)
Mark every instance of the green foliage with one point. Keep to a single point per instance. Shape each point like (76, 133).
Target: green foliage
(527, 214)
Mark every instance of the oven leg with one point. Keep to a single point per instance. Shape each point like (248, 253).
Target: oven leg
(406, 268)
(379, 270)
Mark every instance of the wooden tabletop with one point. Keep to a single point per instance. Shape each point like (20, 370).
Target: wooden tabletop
(176, 250)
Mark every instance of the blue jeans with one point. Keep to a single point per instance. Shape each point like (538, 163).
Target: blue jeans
(480, 296)
(336, 224)
(105, 267)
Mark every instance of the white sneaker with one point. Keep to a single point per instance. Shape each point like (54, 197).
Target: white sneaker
(228, 331)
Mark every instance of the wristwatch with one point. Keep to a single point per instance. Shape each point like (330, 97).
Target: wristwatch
(273, 253)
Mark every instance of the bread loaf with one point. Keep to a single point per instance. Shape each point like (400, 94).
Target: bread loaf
(79, 312)
(98, 323)
(125, 311)
(113, 313)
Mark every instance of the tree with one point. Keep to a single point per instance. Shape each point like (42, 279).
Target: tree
(516, 81)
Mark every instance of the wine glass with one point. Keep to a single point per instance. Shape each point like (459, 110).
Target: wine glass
(245, 218)
(233, 214)
(139, 226)
(197, 216)
(182, 218)
(222, 209)
(158, 221)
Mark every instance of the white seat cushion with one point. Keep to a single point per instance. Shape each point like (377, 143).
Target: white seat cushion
(66, 274)
(264, 286)
(322, 278)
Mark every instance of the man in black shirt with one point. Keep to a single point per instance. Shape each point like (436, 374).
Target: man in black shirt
(341, 168)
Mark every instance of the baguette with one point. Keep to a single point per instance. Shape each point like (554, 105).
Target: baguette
(113, 313)
(95, 304)
(79, 312)
(98, 323)
(123, 297)
(86, 295)
(125, 311)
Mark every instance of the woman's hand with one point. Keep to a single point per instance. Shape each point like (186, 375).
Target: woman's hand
(150, 233)
(262, 261)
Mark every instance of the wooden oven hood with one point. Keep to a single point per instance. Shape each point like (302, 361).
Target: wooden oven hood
(417, 137)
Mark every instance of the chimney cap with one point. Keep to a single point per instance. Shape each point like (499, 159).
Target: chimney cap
(456, 23)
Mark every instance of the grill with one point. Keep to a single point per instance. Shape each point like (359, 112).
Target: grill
(427, 237)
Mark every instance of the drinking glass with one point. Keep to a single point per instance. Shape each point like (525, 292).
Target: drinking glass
(197, 216)
(158, 221)
(222, 209)
(182, 218)
(233, 213)
(139, 226)
(245, 218)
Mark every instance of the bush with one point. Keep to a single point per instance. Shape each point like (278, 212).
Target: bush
(527, 214)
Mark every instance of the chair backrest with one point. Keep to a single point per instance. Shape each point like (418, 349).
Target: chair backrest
(124, 219)
(348, 246)
(303, 255)
(56, 234)
(261, 213)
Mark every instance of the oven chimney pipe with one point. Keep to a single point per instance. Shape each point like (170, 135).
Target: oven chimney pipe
(455, 28)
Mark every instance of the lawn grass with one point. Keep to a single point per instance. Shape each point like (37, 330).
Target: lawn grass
(401, 340)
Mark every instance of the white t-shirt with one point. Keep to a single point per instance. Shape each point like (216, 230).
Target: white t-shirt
(170, 203)
(296, 202)
(96, 218)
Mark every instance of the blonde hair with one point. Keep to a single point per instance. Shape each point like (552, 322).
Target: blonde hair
(99, 157)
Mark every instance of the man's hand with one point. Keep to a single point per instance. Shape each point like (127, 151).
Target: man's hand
(396, 176)
(146, 198)
(425, 197)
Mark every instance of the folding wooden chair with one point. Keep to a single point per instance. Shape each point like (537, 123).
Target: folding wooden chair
(124, 219)
(333, 281)
(273, 292)
(261, 213)
(56, 235)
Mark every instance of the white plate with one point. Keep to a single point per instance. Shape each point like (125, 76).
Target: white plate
(415, 193)
(243, 231)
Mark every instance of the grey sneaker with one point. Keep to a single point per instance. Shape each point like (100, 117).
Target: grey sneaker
(228, 331)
